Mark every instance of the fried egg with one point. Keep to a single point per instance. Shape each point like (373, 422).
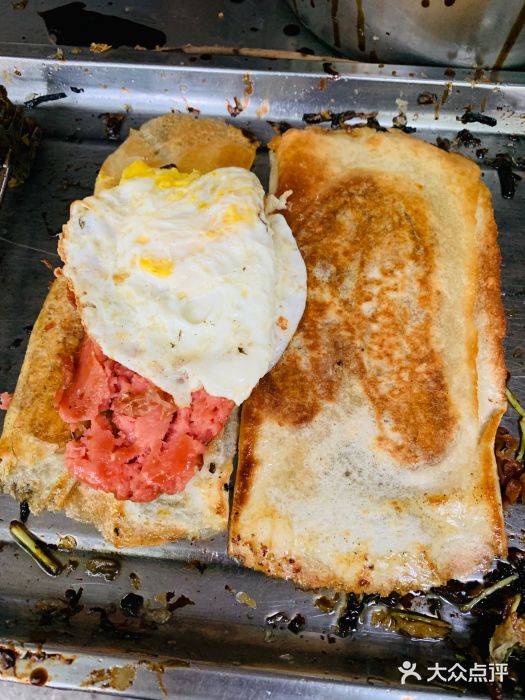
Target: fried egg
(185, 278)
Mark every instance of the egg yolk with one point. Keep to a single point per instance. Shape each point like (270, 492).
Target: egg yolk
(160, 267)
(163, 178)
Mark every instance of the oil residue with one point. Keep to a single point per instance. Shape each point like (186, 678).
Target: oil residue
(444, 97)
(361, 38)
(509, 42)
(38, 676)
(118, 677)
(106, 567)
(335, 23)
(73, 25)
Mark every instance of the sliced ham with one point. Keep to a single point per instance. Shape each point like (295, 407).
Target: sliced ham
(130, 439)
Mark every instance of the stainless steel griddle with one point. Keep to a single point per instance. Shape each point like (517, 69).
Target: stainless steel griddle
(216, 645)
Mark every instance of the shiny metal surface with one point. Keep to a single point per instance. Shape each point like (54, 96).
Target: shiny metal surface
(228, 23)
(215, 646)
(463, 33)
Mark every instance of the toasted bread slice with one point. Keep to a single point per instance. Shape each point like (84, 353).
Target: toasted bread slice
(181, 140)
(366, 457)
(32, 445)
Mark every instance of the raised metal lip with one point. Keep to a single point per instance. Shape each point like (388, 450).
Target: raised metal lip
(176, 61)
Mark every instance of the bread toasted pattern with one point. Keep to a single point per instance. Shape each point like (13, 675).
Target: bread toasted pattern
(366, 456)
(32, 445)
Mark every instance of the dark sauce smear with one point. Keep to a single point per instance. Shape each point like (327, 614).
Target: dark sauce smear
(24, 511)
(471, 117)
(31, 104)
(73, 25)
(38, 676)
(507, 178)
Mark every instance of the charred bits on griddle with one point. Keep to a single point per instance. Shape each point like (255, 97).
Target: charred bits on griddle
(507, 178)
(427, 98)
(24, 511)
(132, 604)
(112, 124)
(277, 619)
(338, 120)
(60, 609)
(236, 108)
(36, 101)
(511, 471)
(279, 127)
(297, 623)
(471, 117)
(349, 620)
(467, 139)
(443, 143)
(115, 629)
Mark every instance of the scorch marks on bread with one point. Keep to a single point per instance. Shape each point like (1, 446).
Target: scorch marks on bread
(365, 459)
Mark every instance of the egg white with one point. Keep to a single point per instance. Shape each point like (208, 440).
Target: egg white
(185, 279)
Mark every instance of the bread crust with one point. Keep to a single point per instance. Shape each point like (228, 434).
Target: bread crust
(32, 445)
(366, 455)
(181, 140)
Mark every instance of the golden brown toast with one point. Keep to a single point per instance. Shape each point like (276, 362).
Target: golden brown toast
(366, 455)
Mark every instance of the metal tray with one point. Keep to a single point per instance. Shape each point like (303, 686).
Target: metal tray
(215, 646)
